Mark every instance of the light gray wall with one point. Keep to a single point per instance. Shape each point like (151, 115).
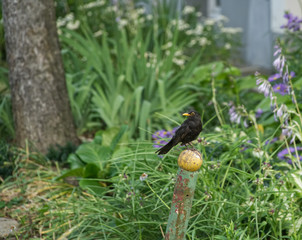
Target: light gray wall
(253, 16)
(259, 36)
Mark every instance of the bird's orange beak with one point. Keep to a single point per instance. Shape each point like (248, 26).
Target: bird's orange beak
(186, 114)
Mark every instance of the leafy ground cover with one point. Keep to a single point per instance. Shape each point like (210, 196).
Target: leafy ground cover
(239, 193)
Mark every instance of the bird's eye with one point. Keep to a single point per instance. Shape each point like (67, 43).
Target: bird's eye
(192, 113)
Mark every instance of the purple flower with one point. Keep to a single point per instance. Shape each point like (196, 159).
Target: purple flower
(265, 88)
(271, 141)
(234, 115)
(162, 137)
(274, 77)
(159, 143)
(283, 154)
(286, 132)
(293, 22)
(118, 19)
(292, 74)
(156, 145)
(125, 176)
(273, 103)
(246, 123)
(259, 112)
(285, 77)
(278, 51)
(279, 63)
(245, 146)
(281, 88)
(161, 134)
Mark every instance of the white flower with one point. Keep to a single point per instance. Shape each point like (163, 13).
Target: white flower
(190, 32)
(286, 131)
(178, 53)
(192, 43)
(264, 87)
(140, 11)
(167, 45)
(198, 29)
(69, 17)
(72, 25)
(234, 115)
(227, 46)
(231, 30)
(279, 63)
(98, 3)
(98, 33)
(182, 25)
(223, 18)
(282, 111)
(188, 9)
(112, 9)
(121, 22)
(61, 22)
(149, 17)
(203, 41)
(210, 22)
(143, 177)
(179, 62)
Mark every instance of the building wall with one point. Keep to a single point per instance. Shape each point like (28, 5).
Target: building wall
(260, 21)
(254, 17)
(259, 38)
(294, 7)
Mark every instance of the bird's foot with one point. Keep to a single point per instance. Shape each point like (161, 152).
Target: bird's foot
(191, 147)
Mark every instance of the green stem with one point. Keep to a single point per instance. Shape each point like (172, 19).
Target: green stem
(157, 195)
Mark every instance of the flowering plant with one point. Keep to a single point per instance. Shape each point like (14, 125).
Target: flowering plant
(279, 89)
(185, 30)
(291, 41)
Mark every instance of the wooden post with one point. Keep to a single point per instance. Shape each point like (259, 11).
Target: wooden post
(189, 162)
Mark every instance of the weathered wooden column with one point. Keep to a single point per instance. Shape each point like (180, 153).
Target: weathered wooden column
(189, 162)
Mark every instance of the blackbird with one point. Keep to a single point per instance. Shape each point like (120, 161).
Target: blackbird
(187, 132)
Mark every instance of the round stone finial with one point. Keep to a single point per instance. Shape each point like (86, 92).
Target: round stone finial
(190, 160)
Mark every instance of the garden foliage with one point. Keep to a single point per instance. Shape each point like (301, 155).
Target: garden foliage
(131, 69)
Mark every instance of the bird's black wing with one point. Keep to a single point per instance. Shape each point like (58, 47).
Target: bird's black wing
(182, 132)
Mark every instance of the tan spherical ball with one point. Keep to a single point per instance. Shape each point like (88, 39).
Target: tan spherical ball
(190, 160)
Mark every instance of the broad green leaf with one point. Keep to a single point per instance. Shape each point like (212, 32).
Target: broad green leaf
(77, 172)
(93, 186)
(94, 153)
(75, 161)
(118, 137)
(91, 170)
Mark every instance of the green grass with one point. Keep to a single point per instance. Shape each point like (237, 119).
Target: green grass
(237, 196)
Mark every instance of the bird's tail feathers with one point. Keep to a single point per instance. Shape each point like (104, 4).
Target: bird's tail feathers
(165, 149)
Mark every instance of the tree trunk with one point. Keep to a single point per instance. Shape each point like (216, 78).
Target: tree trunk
(40, 102)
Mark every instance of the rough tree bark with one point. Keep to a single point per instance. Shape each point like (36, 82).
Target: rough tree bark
(40, 102)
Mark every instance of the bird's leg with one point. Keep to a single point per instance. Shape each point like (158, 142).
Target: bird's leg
(194, 149)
